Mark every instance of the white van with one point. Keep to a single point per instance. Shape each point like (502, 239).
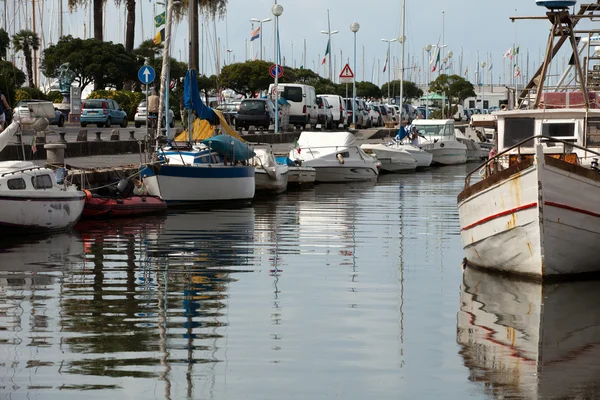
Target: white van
(303, 102)
(339, 108)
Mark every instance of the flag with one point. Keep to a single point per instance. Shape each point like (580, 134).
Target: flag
(517, 72)
(297, 146)
(326, 52)
(160, 19)
(33, 146)
(437, 60)
(508, 53)
(467, 71)
(160, 36)
(255, 34)
(490, 67)
(515, 50)
(387, 55)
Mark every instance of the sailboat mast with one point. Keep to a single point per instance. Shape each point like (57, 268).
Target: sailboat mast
(164, 73)
(403, 39)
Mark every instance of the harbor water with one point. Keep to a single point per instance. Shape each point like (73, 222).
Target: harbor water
(352, 291)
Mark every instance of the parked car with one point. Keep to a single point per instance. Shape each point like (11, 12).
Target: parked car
(229, 110)
(374, 115)
(325, 114)
(102, 112)
(23, 111)
(360, 120)
(303, 102)
(140, 116)
(338, 109)
(257, 112)
(385, 113)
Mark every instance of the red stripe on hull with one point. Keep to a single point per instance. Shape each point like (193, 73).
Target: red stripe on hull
(575, 209)
(499, 215)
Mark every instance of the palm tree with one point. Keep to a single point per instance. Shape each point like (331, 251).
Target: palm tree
(26, 41)
(4, 43)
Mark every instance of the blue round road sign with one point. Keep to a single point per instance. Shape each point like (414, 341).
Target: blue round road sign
(277, 68)
(146, 74)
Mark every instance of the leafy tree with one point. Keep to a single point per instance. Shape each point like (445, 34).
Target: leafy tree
(101, 63)
(367, 89)
(410, 90)
(4, 43)
(455, 87)
(27, 41)
(10, 78)
(246, 78)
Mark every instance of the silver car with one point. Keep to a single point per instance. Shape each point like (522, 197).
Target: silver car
(140, 116)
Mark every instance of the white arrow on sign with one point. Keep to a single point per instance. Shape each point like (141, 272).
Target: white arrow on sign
(146, 73)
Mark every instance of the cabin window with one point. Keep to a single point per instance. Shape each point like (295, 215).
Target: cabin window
(292, 93)
(593, 133)
(344, 154)
(16, 184)
(518, 129)
(42, 182)
(561, 129)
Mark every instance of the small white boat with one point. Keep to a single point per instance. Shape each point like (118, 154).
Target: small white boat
(392, 158)
(335, 156)
(298, 174)
(474, 150)
(439, 139)
(270, 176)
(31, 199)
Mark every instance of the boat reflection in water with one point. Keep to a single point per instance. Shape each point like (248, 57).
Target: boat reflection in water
(530, 340)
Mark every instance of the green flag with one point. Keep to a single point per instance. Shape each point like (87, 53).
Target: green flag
(159, 20)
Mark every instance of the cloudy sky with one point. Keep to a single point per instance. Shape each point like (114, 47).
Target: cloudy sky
(475, 29)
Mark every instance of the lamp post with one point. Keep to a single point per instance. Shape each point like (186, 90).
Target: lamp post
(354, 27)
(329, 32)
(277, 10)
(428, 48)
(483, 64)
(386, 61)
(260, 21)
(401, 40)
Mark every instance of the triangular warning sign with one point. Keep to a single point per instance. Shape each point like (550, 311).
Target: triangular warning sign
(347, 72)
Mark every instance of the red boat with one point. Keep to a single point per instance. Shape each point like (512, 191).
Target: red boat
(97, 206)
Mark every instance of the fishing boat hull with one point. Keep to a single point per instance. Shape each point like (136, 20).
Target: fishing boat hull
(181, 185)
(447, 152)
(301, 175)
(393, 159)
(108, 207)
(526, 219)
(274, 181)
(52, 211)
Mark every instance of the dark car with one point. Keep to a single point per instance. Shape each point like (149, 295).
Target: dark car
(256, 112)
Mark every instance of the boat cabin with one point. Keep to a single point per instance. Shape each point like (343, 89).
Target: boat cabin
(435, 129)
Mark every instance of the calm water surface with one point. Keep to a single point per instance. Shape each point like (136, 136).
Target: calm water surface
(349, 291)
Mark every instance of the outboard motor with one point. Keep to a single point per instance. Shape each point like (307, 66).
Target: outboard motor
(125, 187)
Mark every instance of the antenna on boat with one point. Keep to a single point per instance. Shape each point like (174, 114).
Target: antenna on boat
(563, 28)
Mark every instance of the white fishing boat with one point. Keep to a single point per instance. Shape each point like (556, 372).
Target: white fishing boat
(335, 156)
(270, 176)
(392, 158)
(527, 340)
(31, 198)
(439, 139)
(536, 210)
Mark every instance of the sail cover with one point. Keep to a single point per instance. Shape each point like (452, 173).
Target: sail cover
(192, 100)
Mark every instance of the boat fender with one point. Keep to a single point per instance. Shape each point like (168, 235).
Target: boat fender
(340, 158)
(441, 144)
(88, 194)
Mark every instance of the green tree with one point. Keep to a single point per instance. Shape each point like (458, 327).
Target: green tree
(454, 87)
(366, 89)
(246, 78)
(101, 63)
(27, 41)
(4, 44)
(410, 90)
(11, 78)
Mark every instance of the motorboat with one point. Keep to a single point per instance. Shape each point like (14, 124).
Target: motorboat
(475, 152)
(32, 198)
(521, 339)
(335, 156)
(392, 158)
(438, 138)
(532, 209)
(298, 174)
(270, 176)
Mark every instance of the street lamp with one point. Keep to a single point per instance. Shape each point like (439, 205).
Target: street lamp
(261, 21)
(354, 27)
(386, 61)
(229, 51)
(428, 48)
(277, 10)
(483, 64)
(401, 40)
(329, 32)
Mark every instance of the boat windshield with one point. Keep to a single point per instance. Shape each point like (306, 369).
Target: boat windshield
(435, 130)
(518, 129)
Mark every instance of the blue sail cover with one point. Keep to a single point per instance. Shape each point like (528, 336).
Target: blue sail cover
(192, 100)
(230, 147)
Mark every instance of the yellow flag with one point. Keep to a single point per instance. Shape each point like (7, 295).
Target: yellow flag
(160, 36)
